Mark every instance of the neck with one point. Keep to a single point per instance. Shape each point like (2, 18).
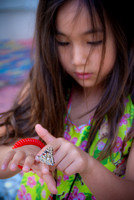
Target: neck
(84, 102)
(88, 93)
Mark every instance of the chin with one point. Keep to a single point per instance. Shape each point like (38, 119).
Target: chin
(85, 84)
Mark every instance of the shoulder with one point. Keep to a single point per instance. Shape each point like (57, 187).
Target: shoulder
(130, 161)
(128, 115)
(126, 126)
(130, 164)
(129, 105)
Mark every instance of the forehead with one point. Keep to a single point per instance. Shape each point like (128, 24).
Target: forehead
(72, 18)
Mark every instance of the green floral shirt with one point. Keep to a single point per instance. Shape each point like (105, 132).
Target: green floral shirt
(33, 187)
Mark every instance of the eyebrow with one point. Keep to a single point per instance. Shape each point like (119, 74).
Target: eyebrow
(93, 31)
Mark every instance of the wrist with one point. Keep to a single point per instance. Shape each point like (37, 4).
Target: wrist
(28, 141)
(89, 166)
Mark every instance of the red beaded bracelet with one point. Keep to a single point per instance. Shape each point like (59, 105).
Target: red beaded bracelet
(28, 141)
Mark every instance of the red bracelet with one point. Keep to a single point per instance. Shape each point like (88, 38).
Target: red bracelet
(28, 141)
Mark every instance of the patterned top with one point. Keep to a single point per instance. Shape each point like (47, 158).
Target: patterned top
(33, 187)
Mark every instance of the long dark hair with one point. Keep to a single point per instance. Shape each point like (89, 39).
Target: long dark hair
(44, 96)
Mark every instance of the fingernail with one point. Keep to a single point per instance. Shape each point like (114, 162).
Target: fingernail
(13, 166)
(37, 158)
(26, 168)
(3, 166)
(55, 191)
(45, 170)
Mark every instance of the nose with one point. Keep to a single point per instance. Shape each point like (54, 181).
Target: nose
(79, 56)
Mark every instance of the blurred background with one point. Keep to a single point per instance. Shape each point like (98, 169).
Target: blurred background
(17, 22)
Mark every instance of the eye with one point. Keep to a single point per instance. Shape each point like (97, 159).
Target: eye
(62, 43)
(95, 43)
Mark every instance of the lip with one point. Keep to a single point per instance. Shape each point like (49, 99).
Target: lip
(84, 76)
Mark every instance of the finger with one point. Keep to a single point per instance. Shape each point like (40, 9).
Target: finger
(7, 159)
(18, 157)
(55, 144)
(47, 178)
(40, 167)
(51, 183)
(44, 134)
(45, 168)
(29, 161)
(65, 163)
(37, 169)
(71, 169)
(59, 156)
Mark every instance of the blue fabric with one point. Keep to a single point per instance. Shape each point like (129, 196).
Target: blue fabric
(9, 187)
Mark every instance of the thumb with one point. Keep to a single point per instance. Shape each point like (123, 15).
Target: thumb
(44, 134)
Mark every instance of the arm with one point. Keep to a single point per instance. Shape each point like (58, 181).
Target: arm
(24, 156)
(106, 185)
(10, 159)
(3, 151)
(8, 173)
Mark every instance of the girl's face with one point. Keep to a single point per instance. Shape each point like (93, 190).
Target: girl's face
(80, 47)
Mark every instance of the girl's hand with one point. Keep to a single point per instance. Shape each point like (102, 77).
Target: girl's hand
(24, 156)
(68, 158)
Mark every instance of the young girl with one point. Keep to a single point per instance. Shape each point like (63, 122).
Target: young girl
(80, 91)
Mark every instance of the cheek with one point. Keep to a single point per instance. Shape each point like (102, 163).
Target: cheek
(109, 60)
(107, 66)
(110, 55)
(94, 60)
(63, 57)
